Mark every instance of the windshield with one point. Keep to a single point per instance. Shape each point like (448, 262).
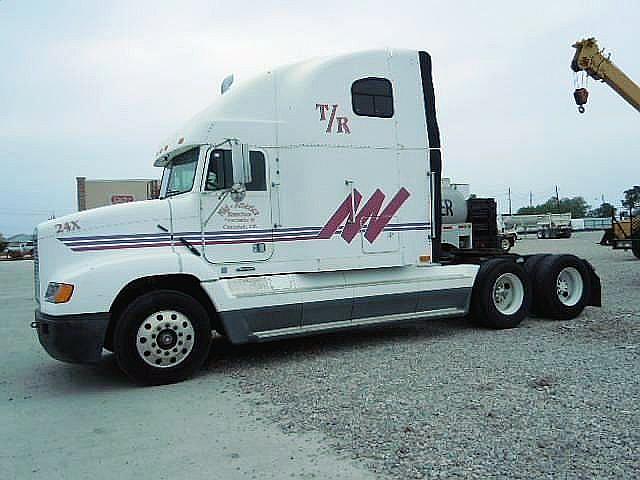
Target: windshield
(179, 174)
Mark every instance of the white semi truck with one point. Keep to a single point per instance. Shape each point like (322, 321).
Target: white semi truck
(300, 202)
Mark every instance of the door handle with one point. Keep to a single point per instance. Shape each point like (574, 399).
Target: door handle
(245, 269)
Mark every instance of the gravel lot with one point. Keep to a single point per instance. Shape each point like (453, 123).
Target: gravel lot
(435, 400)
(445, 399)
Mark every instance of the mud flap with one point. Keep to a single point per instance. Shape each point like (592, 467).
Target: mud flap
(595, 295)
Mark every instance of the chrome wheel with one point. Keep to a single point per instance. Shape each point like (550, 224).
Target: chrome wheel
(165, 339)
(569, 286)
(508, 293)
(505, 244)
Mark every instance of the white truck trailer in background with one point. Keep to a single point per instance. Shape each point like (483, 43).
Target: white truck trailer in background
(589, 224)
(306, 200)
(544, 225)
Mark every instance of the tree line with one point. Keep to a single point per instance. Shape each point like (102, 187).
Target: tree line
(579, 208)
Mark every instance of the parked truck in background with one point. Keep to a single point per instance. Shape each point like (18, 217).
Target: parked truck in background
(556, 225)
(306, 200)
(20, 246)
(544, 225)
(471, 223)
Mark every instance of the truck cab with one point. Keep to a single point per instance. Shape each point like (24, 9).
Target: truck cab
(301, 201)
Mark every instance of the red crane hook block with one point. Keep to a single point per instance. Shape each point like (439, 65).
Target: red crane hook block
(580, 96)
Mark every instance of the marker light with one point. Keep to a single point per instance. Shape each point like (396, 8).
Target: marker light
(58, 292)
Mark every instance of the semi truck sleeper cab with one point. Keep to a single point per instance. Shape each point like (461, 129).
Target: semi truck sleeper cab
(305, 200)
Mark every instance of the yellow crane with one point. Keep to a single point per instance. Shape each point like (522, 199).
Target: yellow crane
(591, 59)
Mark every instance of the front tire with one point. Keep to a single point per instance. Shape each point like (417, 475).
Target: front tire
(162, 337)
(501, 295)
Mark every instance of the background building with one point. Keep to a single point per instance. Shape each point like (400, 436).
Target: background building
(99, 193)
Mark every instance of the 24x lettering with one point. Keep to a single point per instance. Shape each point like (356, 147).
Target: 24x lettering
(67, 226)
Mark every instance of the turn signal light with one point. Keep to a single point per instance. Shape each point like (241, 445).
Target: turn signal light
(58, 292)
(425, 258)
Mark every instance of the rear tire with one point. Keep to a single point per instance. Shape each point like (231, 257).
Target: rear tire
(162, 337)
(531, 266)
(501, 295)
(563, 286)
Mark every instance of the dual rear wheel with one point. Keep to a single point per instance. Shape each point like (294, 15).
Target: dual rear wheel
(552, 286)
(561, 285)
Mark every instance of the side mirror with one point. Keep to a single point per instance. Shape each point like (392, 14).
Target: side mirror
(240, 163)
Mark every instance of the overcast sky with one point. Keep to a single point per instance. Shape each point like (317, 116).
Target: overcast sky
(91, 88)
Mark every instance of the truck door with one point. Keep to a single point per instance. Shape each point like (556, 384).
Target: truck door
(236, 229)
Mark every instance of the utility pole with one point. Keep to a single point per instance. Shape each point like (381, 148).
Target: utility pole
(531, 199)
(557, 198)
(509, 193)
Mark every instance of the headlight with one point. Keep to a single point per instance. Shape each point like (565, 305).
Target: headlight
(58, 292)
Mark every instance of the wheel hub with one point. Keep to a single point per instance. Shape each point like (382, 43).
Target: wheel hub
(569, 286)
(508, 293)
(165, 338)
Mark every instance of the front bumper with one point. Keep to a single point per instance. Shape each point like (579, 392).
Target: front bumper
(72, 338)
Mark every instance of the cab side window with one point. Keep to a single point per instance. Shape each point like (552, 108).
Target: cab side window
(372, 97)
(220, 171)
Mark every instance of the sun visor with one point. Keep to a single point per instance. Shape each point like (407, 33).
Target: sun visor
(162, 159)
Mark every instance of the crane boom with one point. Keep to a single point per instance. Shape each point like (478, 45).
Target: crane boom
(590, 59)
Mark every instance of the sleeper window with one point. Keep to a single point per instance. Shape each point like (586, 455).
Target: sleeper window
(372, 97)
